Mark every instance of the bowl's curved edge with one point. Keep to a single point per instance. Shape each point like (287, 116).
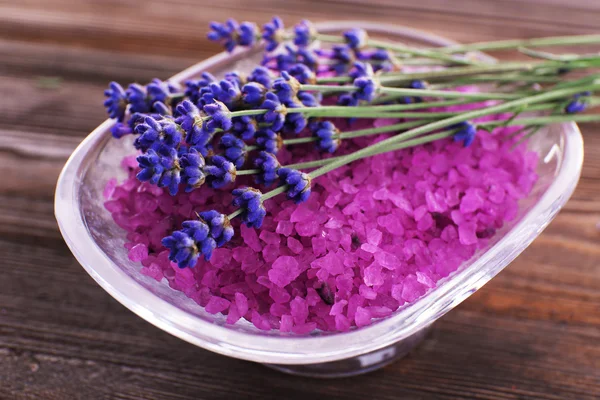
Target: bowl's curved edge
(301, 350)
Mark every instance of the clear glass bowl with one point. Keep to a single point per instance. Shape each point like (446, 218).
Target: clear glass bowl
(97, 243)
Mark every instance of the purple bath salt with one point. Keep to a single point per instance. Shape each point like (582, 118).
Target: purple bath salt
(373, 236)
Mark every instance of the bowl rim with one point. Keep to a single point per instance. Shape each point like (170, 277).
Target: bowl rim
(305, 349)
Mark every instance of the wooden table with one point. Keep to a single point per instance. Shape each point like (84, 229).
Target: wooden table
(533, 332)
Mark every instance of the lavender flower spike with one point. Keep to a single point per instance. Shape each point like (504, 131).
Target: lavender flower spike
(268, 165)
(273, 33)
(116, 101)
(305, 33)
(249, 200)
(298, 184)
(221, 172)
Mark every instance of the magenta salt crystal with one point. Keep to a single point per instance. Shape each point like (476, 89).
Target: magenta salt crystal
(302, 213)
(379, 311)
(299, 310)
(233, 316)
(367, 292)
(341, 323)
(138, 253)
(333, 199)
(338, 307)
(284, 270)
(285, 228)
(269, 237)
(424, 279)
(287, 322)
(412, 289)
(260, 322)
(374, 237)
(373, 275)
(109, 189)
(270, 252)
(153, 271)
(295, 245)
(216, 305)
(467, 233)
(387, 260)
(278, 309)
(279, 294)
(319, 245)
(250, 238)
(362, 317)
(472, 201)
(220, 257)
(241, 303)
(308, 228)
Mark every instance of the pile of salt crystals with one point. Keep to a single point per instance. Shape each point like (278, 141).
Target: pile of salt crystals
(374, 235)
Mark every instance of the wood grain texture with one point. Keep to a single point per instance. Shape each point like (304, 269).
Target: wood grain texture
(531, 333)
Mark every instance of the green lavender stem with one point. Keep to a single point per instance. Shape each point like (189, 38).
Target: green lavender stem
(514, 44)
(334, 162)
(428, 53)
(415, 92)
(551, 95)
(533, 121)
(591, 102)
(399, 77)
(499, 79)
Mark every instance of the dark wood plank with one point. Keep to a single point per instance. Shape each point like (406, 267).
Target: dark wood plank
(531, 333)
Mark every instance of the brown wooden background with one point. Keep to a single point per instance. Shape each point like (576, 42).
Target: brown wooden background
(533, 332)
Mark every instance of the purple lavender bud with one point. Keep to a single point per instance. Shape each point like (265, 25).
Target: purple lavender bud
(268, 140)
(231, 34)
(303, 74)
(366, 88)
(268, 165)
(327, 135)
(273, 33)
(308, 99)
(356, 38)
(155, 133)
(219, 226)
(262, 76)
(249, 200)
(360, 70)
(298, 184)
(276, 112)
(227, 92)
(160, 167)
(220, 116)
(120, 129)
(304, 33)
(220, 172)
(236, 78)
(286, 87)
(247, 34)
(234, 149)
(116, 101)
(466, 134)
(578, 104)
(244, 127)
(253, 93)
(192, 165)
(294, 122)
(194, 86)
(348, 100)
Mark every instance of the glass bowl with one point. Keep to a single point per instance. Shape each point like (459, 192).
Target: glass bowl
(97, 243)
